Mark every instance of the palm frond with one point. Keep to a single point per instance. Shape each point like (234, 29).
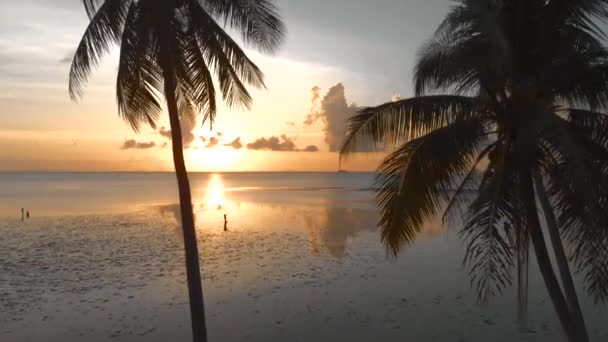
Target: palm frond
(257, 20)
(230, 64)
(490, 222)
(139, 80)
(593, 262)
(448, 67)
(586, 83)
(462, 197)
(103, 31)
(582, 13)
(574, 161)
(396, 122)
(580, 199)
(587, 238)
(467, 50)
(195, 79)
(415, 180)
(92, 6)
(593, 125)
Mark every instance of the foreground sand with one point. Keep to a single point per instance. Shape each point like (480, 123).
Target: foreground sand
(282, 273)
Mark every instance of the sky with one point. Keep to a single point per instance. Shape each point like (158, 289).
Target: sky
(340, 55)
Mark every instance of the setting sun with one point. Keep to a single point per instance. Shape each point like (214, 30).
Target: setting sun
(215, 192)
(220, 158)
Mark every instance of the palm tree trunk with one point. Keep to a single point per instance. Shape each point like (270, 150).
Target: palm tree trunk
(542, 257)
(195, 289)
(562, 261)
(523, 262)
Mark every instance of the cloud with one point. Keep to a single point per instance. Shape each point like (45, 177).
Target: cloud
(165, 144)
(290, 123)
(187, 136)
(278, 144)
(213, 141)
(311, 148)
(283, 143)
(66, 60)
(133, 144)
(166, 133)
(334, 112)
(236, 144)
(315, 112)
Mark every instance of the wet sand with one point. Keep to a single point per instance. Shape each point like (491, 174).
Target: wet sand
(285, 276)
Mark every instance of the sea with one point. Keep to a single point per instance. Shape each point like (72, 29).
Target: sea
(100, 258)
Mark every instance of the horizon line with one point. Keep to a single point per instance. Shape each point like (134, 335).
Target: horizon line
(226, 171)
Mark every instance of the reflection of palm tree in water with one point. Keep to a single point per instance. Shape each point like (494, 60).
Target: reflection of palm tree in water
(313, 228)
(334, 226)
(172, 209)
(343, 224)
(175, 211)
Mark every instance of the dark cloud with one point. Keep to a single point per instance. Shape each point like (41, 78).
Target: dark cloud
(165, 132)
(236, 144)
(311, 148)
(315, 111)
(334, 112)
(187, 135)
(133, 144)
(165, 144)
(283, 143)
(213, 141)
(278, 144)
(387, 22)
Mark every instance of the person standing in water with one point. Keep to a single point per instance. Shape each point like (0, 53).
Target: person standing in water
(22, 215)
(225, 222)
(27, 214)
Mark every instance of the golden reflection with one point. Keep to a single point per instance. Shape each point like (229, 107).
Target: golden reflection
(215, 192)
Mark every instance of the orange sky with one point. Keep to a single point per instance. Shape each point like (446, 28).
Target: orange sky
(41, 129)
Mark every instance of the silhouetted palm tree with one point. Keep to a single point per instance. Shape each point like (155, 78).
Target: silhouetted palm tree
(173, 49)
(526, 95)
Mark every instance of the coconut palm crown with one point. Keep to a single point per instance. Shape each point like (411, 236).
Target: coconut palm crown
(506, 93)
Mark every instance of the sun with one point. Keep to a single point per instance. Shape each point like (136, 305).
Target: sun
(215, 191)
(213, 159)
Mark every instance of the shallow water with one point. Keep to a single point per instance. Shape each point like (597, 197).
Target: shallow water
(102, 259)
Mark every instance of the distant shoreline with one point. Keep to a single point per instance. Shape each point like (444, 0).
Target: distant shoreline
(190, 172)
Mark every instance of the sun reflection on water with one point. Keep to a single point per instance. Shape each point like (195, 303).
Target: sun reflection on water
(215, 192)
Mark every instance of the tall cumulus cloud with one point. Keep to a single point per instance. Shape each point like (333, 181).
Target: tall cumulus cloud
(333, 111)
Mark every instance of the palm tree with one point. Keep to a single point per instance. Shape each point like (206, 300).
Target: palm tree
(173, 49)
(518, 92)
